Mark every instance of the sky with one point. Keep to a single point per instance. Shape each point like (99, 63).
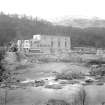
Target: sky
(53, 10)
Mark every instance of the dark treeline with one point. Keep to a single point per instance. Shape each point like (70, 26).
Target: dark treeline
(13, 27)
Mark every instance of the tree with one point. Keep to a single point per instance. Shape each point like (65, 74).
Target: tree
(5, 76)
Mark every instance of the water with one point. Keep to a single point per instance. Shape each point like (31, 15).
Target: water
(40, 95)
(95, 94)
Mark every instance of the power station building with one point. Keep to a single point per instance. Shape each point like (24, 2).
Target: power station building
(47, 44)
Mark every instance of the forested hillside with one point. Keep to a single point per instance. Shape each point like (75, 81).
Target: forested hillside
(13, 27)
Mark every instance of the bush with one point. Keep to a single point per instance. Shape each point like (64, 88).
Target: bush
(69, 75)
(98, 71)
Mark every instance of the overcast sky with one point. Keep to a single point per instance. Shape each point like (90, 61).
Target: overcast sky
(55, 9)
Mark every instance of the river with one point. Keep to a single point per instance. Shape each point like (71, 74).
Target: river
(95, 94)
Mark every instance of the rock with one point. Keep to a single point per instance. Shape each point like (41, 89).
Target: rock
(89, 80)
(69, 82)
(39, 83)
(57, 102)
(54, 86)
(100, 83)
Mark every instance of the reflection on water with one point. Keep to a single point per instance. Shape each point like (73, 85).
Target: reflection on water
(95, 94)
(29, 96)
(67, 93)
(40, 95)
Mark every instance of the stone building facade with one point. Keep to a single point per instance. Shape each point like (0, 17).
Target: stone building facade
(48, 44)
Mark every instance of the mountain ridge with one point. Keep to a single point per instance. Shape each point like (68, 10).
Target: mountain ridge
(81, 22)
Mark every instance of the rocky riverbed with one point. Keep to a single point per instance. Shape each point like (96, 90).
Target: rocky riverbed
(39, 84)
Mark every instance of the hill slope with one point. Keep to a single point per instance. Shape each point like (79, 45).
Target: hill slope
(12, 27)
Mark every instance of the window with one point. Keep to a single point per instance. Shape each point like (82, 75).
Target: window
(65, 43)
(59, 43)
(37, 45)
(51, 43)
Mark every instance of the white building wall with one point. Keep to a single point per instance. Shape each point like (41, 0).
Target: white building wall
(26, 44)
(44, 43)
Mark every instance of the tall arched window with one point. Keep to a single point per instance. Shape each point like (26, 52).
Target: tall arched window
(51, 43)
(59, 43)
(65, 43)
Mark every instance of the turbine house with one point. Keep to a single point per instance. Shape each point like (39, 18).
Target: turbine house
(46, 44)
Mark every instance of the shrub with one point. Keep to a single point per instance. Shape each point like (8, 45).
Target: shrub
(98, 71)
(69, 75)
